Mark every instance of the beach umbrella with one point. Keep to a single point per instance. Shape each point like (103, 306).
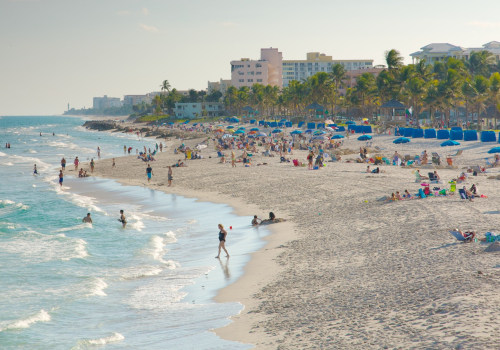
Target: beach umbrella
(330, 128)
(219, 130)
(401, 140)
(226, 136)
(261, 134)
(296, 132)
(239, 132)
(319, 132)
(494, 150)
(309, 131)
(337, 136)
(277, 131)
(283, 120)
(328, 121)
(254, 129)
(365, 137)
(229, 127)
(241, 128)
(450, 143)
(350, 122)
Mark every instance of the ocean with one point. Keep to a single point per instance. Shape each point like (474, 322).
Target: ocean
(70, 285)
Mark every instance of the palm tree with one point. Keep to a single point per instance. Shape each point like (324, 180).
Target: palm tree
(480, 62)
(393, 59)
(494, 93)
(165, 86)
(337, 76)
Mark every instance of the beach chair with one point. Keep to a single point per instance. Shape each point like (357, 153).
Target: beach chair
(488, 163)
(436, 159)
(458, 236)
(220, 154)
(386, 161)
(463, 194)
(432, 177)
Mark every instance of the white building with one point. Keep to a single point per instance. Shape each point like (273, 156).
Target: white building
(266, 71)
(316, 62)
(221, 86)
(439, 52)
(106, 102)
(131, 100)
(192, 110)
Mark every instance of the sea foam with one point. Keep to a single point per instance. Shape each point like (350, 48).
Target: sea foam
(41, 316)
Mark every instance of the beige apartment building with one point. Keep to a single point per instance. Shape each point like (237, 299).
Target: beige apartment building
(316, 62)
(266, 71)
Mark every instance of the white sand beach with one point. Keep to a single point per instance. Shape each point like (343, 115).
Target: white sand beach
(347, 270)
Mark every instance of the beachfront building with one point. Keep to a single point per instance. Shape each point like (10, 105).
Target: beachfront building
(106, 102)
(192, 110)
(439, 52)
(221, 86)
(131, 100)
(316, 62)
(266, 71)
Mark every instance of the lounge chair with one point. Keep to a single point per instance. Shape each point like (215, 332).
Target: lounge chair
(463, 194)
(433, 177)
(436, 159)
(458, 236)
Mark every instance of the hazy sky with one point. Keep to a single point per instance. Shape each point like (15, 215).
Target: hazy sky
(55, 52)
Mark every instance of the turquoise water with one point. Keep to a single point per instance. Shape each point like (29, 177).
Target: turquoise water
(69, 285)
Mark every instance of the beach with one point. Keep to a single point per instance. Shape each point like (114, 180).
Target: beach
(348, 270)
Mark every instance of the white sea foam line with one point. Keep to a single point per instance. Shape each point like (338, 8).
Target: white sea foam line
(41, 316)
(36, 247)
(137, 272)
(8, 203)
(2, 154)
(115, 337)
(74, 228)
(81, 201)
(97, 287)
(138, 224)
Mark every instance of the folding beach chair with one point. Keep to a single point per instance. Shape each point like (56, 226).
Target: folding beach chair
(436, 159)
(462, 193)
(432, 177)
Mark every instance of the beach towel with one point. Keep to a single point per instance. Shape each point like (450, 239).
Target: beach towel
(457, 235)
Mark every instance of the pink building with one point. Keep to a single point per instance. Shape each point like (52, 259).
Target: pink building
(266, 71)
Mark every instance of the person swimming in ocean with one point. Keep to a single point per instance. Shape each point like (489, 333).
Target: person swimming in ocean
(122, 218)
(87, 219)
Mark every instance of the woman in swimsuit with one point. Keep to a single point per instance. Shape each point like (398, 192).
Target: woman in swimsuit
(222, 240)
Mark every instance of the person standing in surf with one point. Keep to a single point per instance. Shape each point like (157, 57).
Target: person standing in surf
(222, 241)
(149, 172)
(63, 164)
(61, 178)
(122, 218)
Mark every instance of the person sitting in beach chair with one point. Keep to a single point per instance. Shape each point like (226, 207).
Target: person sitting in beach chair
(434, 177)
(462, 177)
(463, 236)
(419, 177)
(465, 194)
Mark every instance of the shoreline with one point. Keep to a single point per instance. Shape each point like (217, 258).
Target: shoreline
(347, 270)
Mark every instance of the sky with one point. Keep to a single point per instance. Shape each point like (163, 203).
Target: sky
(55, 52)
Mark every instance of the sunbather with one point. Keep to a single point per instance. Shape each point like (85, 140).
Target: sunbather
(468, 235)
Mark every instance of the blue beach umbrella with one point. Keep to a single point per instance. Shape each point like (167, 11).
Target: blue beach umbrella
(365, 137)
(277, 131)
(296, 132)
(494, 150)
(309, 131)
(401, 140)
(350, 122)
(241, 128)
(239, 132)
(319, 132)
(337, 136)
(319, 138)
(254, 129)
(230, 127)
(450, 143)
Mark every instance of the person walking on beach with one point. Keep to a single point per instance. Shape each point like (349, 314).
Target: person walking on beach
(98, 152)
(76, 162)
(92, 165)
(149, 172)
(63, 164)
(122, 218)
(87, 219)
(170, 177)
(222, 241)
(61, 178)
(114, 164)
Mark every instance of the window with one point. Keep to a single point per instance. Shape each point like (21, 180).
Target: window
(259, 80)
(258, 73)
(251, 73)
(250, 80)
(258, 65)
(241, 80)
